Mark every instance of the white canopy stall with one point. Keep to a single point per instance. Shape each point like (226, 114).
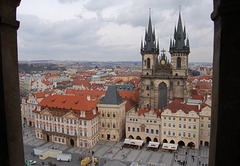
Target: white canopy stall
(133, 142)
(153, 145)
(172, 147)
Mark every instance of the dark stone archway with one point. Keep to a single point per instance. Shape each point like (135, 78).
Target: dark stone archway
(191, 145)
(148, 139)
(181, 143)
(48, 138)
(155, 140)
(162, 99)
(172, 142)
(71, 142)
(165, 141)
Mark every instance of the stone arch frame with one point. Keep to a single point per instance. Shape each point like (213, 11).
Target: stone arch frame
(226, 16)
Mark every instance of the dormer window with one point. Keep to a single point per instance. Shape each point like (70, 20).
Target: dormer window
(83, 114)
(94, 112)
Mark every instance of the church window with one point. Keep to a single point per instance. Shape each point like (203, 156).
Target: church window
(148, 63)
(145, 62)
(178, 83)
(178, 62)
(147, 87)
(147, 73)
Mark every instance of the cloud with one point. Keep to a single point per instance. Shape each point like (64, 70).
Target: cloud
(111, 29)
(68, 1)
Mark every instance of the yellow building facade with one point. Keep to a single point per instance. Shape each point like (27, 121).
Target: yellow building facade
(186, 125)
(143, 124)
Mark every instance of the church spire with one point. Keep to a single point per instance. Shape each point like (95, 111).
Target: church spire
(179, 35)
(150, 39)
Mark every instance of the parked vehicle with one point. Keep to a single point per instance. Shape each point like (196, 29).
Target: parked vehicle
(87, 160)
(32, 162)
(64, 157)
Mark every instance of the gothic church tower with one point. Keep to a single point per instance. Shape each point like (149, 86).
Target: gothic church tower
(161, 81)
(179, 50)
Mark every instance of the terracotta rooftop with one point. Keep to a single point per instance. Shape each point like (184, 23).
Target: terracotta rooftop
(61, 104)
(177, 105)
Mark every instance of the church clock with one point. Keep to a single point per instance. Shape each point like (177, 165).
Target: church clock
(162, 62)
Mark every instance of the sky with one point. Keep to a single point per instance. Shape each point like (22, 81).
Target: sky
(109, 30)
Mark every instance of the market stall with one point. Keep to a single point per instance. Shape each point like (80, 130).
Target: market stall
(132, 143)
(170, 147)
(154, 146)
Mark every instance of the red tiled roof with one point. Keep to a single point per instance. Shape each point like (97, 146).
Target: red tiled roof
(177, 105)
(85, 83)
(203, 105)
(206, 77)
(134, 95)
(69, 102)
(135, 81)
(46, 82)
(130, 103)
(49, 76)
(65, 103)
(41, 94)
(92, 93)
(142, 111)
(193, 92)
(130, 96)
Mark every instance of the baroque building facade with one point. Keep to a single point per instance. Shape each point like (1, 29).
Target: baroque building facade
(161, 81)
(68, 120)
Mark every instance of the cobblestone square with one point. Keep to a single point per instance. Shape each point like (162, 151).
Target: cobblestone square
(109, 151)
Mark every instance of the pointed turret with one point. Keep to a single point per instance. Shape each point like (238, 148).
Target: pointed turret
(170, 43)
(179, 42)
(150, 44)
(141, 45)
(187, 44)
